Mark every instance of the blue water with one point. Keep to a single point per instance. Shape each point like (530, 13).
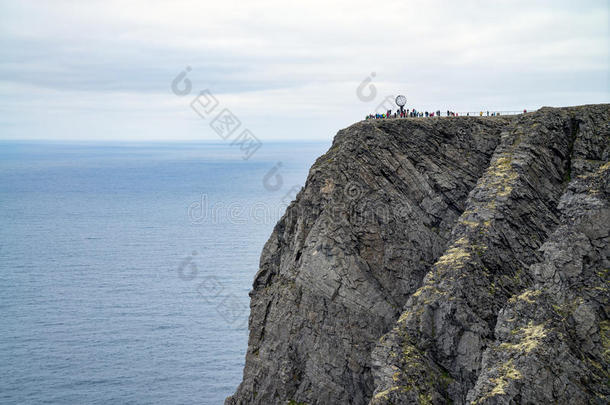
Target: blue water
(113, 290)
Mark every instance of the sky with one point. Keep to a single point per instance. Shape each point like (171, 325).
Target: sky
(104, 70)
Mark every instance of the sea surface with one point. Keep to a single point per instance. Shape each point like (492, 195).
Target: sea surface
(125, 268)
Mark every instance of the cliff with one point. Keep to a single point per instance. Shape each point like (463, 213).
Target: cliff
(441, 260)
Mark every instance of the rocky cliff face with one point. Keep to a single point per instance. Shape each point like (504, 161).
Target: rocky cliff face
(441, 260)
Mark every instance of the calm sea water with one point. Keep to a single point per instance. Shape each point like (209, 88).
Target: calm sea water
(125, 269)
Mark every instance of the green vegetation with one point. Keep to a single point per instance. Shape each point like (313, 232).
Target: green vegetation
(506, 373)
(528, 296)
(500, 176)
(532, 336)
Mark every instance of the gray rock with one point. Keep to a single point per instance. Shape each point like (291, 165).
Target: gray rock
(434, 260)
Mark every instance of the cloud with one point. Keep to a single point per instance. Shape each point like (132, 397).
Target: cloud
(103, 68)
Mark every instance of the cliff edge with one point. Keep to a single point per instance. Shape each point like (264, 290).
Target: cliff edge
(439, 260)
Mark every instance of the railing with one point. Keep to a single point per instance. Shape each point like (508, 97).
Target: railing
(478, 113)
(467, 114)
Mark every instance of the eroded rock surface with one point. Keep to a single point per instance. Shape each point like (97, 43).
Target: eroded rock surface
(435, 260)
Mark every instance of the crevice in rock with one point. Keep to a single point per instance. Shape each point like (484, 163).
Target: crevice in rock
(573, 126)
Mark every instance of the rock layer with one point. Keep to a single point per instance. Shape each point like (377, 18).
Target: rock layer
(448, 259)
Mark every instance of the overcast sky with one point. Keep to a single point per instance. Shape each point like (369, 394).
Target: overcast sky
(90, 70)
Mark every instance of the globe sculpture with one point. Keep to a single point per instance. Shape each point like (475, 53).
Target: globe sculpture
(401, 101)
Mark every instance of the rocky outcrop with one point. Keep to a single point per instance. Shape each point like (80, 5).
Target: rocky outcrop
(434, 260)
(551, 341)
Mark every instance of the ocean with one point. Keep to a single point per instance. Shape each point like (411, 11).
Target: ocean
(125, 268)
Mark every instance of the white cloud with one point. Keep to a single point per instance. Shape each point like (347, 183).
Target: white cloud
(103, 68)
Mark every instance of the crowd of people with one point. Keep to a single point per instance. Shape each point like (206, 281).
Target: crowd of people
(412, 113)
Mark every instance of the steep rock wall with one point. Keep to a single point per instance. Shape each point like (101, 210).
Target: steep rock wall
(396, 274)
